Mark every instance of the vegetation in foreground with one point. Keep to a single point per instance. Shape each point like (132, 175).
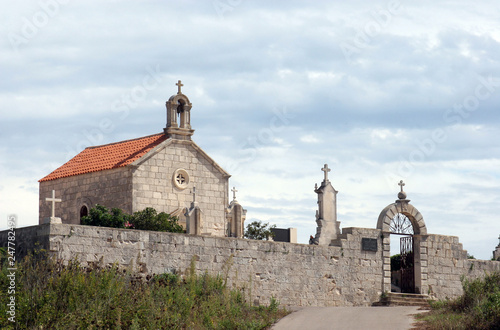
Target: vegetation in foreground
(49, 295)
(477, 308)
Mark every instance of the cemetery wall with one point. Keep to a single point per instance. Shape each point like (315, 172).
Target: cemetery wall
(447, 263)
(346, 274)
(295, 274)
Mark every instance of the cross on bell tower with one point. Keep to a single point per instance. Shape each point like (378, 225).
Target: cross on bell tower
(179, 85)
(179, 115)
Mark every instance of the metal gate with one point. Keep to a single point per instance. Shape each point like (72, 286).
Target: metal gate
(407, 265)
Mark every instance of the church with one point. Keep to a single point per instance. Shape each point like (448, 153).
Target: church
(167, 171)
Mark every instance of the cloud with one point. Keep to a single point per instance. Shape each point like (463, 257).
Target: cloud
(410, 103)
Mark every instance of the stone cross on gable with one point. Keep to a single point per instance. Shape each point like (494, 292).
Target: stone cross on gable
(54, 200)
(234, 193)
(402, 184)
(179, 85)
(326, 170)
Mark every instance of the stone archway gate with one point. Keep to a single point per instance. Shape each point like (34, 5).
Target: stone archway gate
(385, 222)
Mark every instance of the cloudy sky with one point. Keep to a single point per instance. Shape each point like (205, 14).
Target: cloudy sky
(379, 90)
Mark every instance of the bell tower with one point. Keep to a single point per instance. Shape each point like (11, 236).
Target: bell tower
(179, 116)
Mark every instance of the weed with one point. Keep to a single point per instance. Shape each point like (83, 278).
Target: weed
(477, 308)
(51, 295)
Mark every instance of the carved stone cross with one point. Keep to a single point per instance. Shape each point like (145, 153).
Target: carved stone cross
(179, 85)
(326, 170)
(234, 193)
(401, 183)
(54, 200)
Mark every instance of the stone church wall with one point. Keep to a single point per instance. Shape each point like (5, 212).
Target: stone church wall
(153, 185)
(111, 188)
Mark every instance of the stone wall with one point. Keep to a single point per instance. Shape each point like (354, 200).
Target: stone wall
(295, 274)
(447, 262)
(153, 184)
(111, 188)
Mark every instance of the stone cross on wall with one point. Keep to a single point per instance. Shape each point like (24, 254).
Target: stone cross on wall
(401, 184)
(326, 170)
(234, 193)
(54, 200)
(179, 85)
(401, 194)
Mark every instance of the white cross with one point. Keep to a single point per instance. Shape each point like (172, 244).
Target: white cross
(234, 193)
(179, 85)
(326, 170)
(53, 200)
(401, 183)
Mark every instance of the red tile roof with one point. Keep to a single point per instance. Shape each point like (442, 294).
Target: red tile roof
(108, 156)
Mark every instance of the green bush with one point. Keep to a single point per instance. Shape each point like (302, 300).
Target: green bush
(100, 216)
(395, 262)
(477, 308)
(147, 219)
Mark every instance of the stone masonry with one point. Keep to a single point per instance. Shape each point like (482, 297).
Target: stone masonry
(296, 274)
(152, 184)
(112, 188)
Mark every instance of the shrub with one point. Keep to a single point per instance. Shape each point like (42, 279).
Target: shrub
(50, 295)
(100, 216)
(395, 262)
(148, 219)
(477, 308)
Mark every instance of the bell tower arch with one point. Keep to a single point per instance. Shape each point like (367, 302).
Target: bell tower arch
(179, 116)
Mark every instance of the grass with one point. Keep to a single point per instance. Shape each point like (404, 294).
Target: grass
(50, 295)
(477, 308)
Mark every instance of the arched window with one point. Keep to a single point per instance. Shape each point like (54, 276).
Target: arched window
(84, 211)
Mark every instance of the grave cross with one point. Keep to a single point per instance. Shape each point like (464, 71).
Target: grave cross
(326, 170)
(401, 183)
(53, 200)
(179, 85)
(234, 193)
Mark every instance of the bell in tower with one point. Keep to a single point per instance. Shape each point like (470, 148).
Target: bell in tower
(179, 116)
